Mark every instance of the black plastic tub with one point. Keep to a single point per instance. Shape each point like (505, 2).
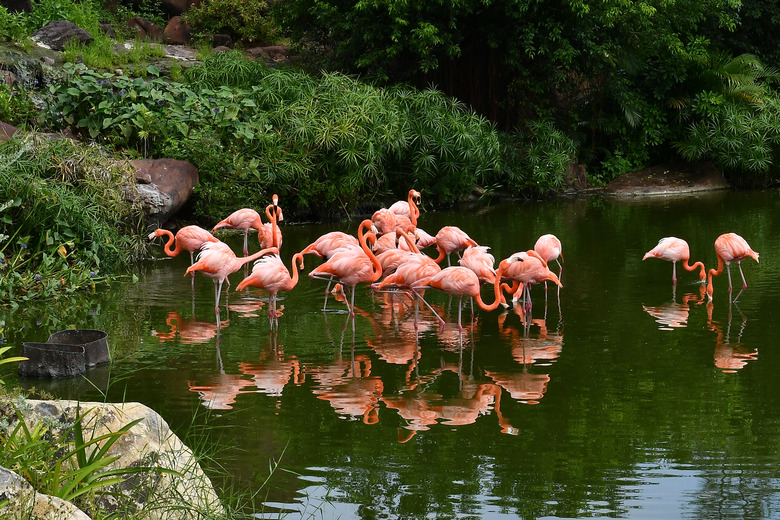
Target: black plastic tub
(67, 353)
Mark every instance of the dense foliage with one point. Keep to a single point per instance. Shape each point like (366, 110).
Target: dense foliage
(323, 143)
(63, 219)
(617, 77)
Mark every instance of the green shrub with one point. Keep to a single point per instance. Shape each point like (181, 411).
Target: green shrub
(16, 106)
(63, 219)
(246, 21)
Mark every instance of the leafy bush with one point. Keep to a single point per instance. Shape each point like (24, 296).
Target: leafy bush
(12, 25)
(246, 21)
(16, 106)
(63, 219)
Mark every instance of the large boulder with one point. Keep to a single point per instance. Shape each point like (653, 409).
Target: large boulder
(57, 33)
(177, 32)
(145, 29)
(25, 502)
(181, 491)
(162, 186)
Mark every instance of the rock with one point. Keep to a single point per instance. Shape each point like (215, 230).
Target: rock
(24, 502)
(669, 179)
(145, 29)
(153, 495)
(177, 32)
(8, 77)
(162, 186)
(175, 7)
(271, 54)
(6, 131)
(57, 33)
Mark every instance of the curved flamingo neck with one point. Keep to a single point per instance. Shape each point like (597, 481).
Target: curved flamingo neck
(497, 293)
(711, 273)
(168, 248)
(274, 224)
(414, 211)
(412, 246)
(700, 265)
(376, 266)
(441, 256)
(296, 259)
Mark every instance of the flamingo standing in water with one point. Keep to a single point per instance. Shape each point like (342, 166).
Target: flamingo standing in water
(460, 281)
(525, 269)
(481, 262)
(549, 248)
(245, 219)
(451, 239)
(270, 235)
(351, 267)
(188, 238)
(730, 247)
(269, 273)
(673, 249)
(216, 260)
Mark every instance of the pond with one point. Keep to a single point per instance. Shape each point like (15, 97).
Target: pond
(622, 395)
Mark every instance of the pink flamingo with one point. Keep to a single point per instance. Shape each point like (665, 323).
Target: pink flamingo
(673, 249)
(452, 239)
(216, 260)
(460, 281)
(188, 238)
(408, 208)
(329, 243)
(351, 267)
(243, 219)
(481, 262)
(525, 269)
(730, 247)
(549, 248)
(270, 235)
(269, 273)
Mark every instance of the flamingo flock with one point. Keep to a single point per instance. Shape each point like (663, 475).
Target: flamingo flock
(387, 255)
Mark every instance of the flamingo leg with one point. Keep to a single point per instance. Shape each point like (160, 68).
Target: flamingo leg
(744, 282)
(674, 272)
(352, 305)
(217, 294)
(728, 271)
(441, 321)
(460, 326)
(246, 242)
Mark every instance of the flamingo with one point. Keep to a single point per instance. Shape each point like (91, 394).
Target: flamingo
(243, 219)
(329, 243)
(460, 281)
(526, 268)
(188, 238)
(673, 249)
(270, 235)
(269, 273)
(481, 262)
(730, 247)
(452, 239)
(216, 260)
(409, 207)
(549, 248)
(351, 267)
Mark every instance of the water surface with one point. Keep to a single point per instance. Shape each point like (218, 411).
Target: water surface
(620, 396)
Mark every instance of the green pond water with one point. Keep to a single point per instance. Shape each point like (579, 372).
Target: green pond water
(622, 396)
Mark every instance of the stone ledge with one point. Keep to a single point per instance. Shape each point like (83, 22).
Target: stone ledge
(668, 179)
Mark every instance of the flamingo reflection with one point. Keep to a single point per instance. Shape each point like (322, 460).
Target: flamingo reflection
(729, 355)
(348, 384)
(188, 331)
(222, 389)
(671, 315)
(274, 369)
